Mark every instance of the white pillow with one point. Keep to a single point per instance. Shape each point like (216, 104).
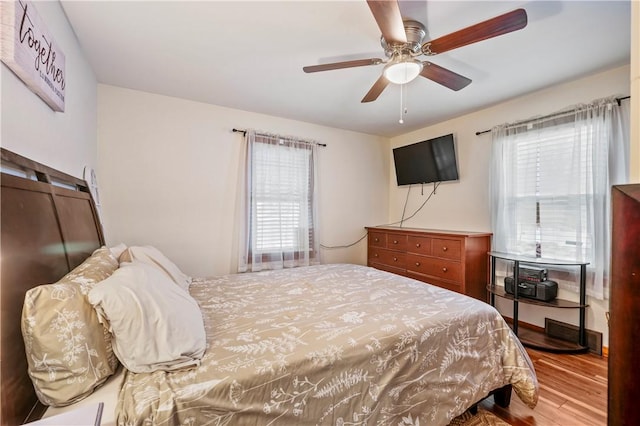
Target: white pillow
(155, 324)
(116, 251)
(153, 257)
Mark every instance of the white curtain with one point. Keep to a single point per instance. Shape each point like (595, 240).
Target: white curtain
(551, 183)
(279, 226)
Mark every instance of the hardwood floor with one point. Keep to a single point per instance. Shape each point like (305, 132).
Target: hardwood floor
(573, 392)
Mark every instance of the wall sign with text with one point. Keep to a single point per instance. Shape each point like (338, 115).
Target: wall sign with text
(30, 51)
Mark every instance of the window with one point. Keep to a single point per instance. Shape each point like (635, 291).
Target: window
(553, 192)
(280, 204)
(551, 185)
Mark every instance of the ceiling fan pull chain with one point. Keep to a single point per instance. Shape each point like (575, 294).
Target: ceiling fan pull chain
(403, 102)
(404, 106)
(401, 121)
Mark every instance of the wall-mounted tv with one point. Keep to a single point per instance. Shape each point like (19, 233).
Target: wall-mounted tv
(432, 160)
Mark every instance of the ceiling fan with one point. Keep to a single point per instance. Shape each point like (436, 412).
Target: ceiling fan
(402, 42)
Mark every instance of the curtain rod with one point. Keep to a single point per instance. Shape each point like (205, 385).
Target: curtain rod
(618, 100)
(244, 132)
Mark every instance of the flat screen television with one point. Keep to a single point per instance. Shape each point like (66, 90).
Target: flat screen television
(432, 160)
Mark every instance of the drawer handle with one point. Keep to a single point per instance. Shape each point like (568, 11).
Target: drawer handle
(375, 240)
(375, 254)
(444, 248)
(417, 263)
(395, 259)
(418, 245)
(444, 269)
(395, 241)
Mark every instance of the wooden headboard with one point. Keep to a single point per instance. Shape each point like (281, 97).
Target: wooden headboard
(49, 226)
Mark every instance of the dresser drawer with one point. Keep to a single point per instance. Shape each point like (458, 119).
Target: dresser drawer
(448, 249)
(377, 239)
(397, 271)
(385, 240)
(444, 269)
(387, 257)
(419, 245)
(397, 242)
(457, 287)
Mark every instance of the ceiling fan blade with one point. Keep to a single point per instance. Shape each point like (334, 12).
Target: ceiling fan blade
(389, 20)
(376, 89)
(503, 24)
(339, 65)
(444, 76)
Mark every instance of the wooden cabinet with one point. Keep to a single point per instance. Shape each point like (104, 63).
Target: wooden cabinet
(454, 260)
(624, 306)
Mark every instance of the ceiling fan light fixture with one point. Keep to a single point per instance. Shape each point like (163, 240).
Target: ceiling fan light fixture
(402, 71)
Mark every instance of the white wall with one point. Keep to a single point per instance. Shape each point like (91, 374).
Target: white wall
(63, 140)
(464, 205)
(168, 169)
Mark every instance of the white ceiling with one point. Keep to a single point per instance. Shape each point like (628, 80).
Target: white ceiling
(249, 55)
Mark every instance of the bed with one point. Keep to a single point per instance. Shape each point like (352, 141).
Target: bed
(328, 344)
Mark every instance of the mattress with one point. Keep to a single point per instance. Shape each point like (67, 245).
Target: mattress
(332, 344)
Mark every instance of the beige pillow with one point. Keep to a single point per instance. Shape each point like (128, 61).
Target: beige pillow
(68, 351)
(155, 324)
(152, 256)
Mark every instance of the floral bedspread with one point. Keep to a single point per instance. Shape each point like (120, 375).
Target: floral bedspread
(333, 345)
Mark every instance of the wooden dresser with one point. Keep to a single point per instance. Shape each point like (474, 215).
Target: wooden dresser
(454, 260)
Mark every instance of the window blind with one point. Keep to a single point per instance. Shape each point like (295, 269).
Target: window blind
(553, 169)
(283, 201)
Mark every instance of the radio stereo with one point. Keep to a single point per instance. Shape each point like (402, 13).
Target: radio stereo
(543, 290)
(532, 274)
